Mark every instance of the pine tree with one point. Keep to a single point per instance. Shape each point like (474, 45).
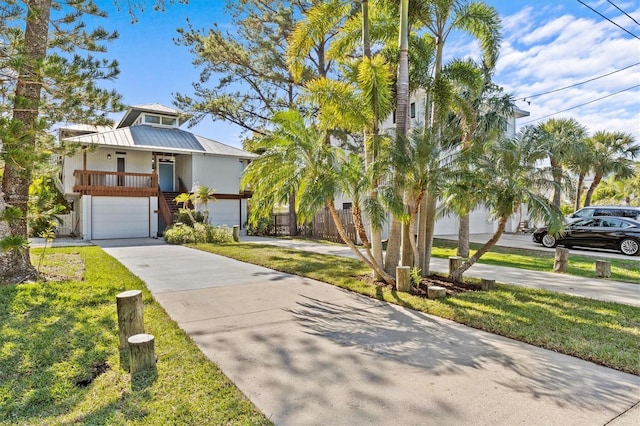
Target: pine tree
(51, 61)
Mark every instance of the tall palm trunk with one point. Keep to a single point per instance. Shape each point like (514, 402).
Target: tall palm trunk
(463, 236)
(395, 233)
(293, 218)
(15, 265)
(579, 191)
(556, 172)
(429, 204)
(596, 181)
(369, 142)
(457, 274)
(336, 220)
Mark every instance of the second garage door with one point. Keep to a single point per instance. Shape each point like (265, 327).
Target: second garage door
(119, 217)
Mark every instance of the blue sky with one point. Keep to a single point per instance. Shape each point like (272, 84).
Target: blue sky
(547, 45)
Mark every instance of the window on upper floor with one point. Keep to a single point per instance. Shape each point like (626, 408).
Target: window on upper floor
(158, 120)
(151, 119)
(413, 110)
(169, 121)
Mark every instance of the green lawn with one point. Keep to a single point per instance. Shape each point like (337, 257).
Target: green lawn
(56, 336)
(602, 332)
(627, 270)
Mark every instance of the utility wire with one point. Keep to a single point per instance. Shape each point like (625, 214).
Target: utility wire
(581, 105)
(622, 28)
(629, 16)
(577, 84)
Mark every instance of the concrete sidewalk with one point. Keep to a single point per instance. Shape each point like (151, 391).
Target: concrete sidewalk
(594, 288)
(306, 352)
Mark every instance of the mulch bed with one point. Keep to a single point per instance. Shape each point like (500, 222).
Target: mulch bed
(451, 287)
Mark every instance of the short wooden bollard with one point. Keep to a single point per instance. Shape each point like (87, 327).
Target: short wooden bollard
(486, 284)
(436, 292)
(142, 353)
(236, 233)
(603, 269)
(561, 260)
(454, 263)
(130, 315)
(403, 278)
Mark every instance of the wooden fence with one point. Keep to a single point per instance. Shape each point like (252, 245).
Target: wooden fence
(322, 226)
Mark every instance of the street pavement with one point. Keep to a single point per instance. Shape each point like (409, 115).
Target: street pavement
(308, 353)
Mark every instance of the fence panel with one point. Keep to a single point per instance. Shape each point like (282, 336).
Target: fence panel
(325, 229)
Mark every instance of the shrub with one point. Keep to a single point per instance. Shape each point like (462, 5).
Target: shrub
(263, 226)
(185, 216)
(199, 233)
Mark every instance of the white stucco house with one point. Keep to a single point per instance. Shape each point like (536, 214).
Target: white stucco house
(121, 181)
(479, 219)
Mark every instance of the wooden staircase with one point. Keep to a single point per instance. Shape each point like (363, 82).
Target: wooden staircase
(173, 206)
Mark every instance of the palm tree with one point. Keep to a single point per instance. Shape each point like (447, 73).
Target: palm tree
(297, 160)
(619, 191)
(504, 177)
(440, 18)
(581, 163)
(562, 137)
(614, 154)
(201, 198)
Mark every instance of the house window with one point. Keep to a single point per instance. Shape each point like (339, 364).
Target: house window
(168, 121)
(151, 119)
(413, 110)
(394, 116)
(346, 206)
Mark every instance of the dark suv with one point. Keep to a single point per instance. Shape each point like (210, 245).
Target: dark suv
(591, 211)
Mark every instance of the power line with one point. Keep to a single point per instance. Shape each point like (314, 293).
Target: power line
(622, 28)
(581, 105)
(629, 16)
(577, 84)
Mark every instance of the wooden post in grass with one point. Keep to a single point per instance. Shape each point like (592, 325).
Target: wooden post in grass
(436, 292)
(561, 260)
(403, 278)
(236, 233)
(454, 263)
(142, 353)
(603, 269)
(486, 284)
(130, 321)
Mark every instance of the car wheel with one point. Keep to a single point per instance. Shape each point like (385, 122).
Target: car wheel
(549, 241)
(630, 247)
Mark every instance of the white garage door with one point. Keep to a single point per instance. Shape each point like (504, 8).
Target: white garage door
(119, 217)
(225, 212)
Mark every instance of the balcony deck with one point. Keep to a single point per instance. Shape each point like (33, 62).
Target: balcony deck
(117, 184)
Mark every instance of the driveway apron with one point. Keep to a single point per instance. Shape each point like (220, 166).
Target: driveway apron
(306, 352)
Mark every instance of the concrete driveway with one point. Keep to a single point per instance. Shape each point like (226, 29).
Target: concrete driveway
(306, 352)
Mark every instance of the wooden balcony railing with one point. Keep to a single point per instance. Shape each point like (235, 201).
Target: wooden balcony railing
(121, 184)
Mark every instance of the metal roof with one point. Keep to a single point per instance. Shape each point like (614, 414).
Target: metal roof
(134, 112)
(146, 137)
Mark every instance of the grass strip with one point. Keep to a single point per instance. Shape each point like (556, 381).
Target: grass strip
(602, 332)
(625, 270)
(59, 360)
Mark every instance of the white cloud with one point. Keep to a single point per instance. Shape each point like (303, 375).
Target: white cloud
(548, 49)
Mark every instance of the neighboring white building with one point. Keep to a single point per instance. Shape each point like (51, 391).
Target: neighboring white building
(122, 180)
(479, 220)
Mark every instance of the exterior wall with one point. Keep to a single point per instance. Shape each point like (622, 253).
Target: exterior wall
(86, 217)
(184, 171)
(135, 162)
(219, 173)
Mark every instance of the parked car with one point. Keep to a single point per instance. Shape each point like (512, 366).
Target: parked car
(591, 211)
(608, 232)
